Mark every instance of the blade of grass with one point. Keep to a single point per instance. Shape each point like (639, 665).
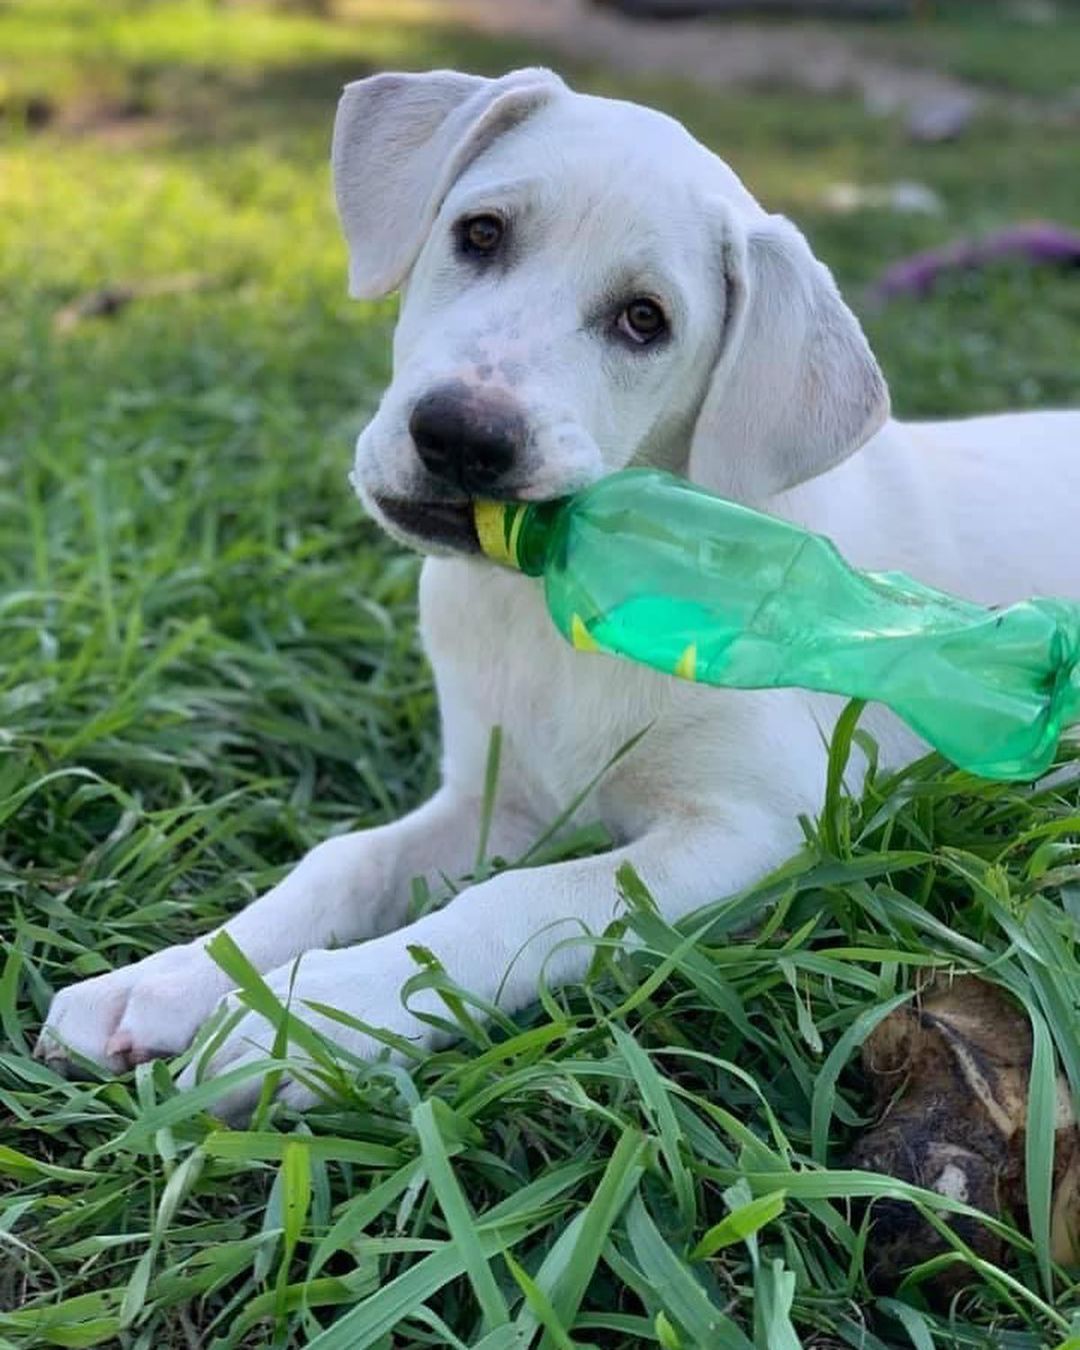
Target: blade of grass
(458, 1216)
(1039, 1145)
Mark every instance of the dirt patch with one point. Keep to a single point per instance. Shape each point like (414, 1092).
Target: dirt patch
(719, 53)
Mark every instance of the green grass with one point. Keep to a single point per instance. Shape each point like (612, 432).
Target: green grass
(996, 44)
(207, 664)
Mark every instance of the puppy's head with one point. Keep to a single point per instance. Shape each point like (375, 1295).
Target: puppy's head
(584, 286)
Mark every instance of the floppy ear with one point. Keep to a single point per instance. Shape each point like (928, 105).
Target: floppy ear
(400, 141)
(796, 388)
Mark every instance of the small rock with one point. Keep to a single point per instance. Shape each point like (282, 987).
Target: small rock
(941, 119)
(904, 197)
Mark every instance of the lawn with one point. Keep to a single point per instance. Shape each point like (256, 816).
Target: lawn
(208, 664)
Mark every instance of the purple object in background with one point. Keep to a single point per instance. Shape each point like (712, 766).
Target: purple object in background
(1038, 242)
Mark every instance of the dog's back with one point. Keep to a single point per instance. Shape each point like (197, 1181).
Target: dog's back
(984, 507)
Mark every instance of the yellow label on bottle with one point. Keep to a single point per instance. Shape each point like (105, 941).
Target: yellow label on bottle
(580, 636)
(498, 525)
(491, 531)
(686, 665)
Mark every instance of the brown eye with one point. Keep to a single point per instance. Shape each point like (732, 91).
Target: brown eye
(642, 321)
(481, 235)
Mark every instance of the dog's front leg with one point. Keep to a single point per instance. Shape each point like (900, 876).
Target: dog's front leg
(499, 938)
(346, 889)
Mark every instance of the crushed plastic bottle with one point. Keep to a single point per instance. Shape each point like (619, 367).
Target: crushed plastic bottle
(647, 566)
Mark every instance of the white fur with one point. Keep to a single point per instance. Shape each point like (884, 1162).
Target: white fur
(766, 385)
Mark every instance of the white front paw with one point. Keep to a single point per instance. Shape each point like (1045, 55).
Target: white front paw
(144, 1011)
(352, 980)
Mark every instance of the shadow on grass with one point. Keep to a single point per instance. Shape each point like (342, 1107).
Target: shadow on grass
(201, 103)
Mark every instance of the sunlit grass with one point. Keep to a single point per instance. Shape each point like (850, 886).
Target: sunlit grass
(121, 47)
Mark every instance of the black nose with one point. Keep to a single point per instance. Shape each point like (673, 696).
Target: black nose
(467, 437)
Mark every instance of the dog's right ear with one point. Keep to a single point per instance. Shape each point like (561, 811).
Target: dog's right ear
(796, 388)
(400, 141)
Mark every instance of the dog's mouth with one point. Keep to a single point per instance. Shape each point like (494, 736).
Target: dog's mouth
(448, 525)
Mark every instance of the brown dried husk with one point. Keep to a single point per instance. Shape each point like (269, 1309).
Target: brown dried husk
(950, 1074)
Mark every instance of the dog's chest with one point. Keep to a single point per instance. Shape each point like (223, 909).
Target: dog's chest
(499, 661)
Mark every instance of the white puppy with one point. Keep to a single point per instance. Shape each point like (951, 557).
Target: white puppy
(585, 286)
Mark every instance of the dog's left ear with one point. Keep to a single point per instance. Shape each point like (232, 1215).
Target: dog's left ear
(796, 388)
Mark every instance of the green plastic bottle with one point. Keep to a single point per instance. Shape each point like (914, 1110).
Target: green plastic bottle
(646, 566)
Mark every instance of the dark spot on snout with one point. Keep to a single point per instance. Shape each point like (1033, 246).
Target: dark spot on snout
(513, 372)
(467, 437)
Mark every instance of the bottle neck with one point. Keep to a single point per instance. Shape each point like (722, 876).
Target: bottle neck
(534, 532)
(517, 534)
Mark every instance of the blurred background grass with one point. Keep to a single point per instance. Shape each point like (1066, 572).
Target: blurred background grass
(207, 659)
